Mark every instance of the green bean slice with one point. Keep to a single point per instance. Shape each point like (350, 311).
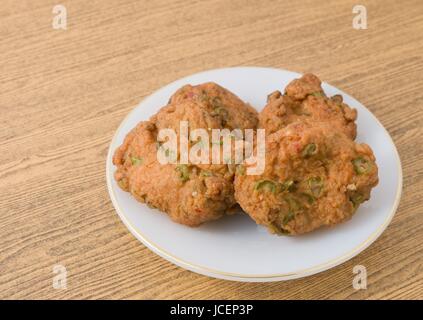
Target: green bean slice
(309, 150)
(356, 199)
(361, 165)
(136, 161)
(205, 173)
(183, 172)
(288, 185)
(265, 185)
(315, 185)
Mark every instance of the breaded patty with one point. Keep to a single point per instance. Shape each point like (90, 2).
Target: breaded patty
(314, 176)
(304, 100)
(190, 194)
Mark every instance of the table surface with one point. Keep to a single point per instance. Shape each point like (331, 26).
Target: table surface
(64, 92)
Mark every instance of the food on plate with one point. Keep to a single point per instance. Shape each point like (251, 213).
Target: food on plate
(190, 194)
(314, 176)
(304, 100)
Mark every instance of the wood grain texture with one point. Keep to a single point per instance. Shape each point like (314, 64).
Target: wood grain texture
(63, 93)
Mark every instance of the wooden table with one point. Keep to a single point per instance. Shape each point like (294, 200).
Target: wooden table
(63, 93)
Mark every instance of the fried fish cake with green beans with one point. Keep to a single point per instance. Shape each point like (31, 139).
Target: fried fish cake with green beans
(222, 104)
(305, 100)
(190, 194)
(314, 176)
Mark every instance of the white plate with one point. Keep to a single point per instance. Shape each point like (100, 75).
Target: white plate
(234, 247)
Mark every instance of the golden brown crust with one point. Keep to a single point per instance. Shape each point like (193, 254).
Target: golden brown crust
(304, 100)
(303, 187)
(214, 98)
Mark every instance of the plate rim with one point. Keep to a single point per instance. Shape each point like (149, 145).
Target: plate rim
(245, 277)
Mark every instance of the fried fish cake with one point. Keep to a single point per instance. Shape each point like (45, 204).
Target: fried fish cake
(190, 193)
(304, 100)
(314, 176)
